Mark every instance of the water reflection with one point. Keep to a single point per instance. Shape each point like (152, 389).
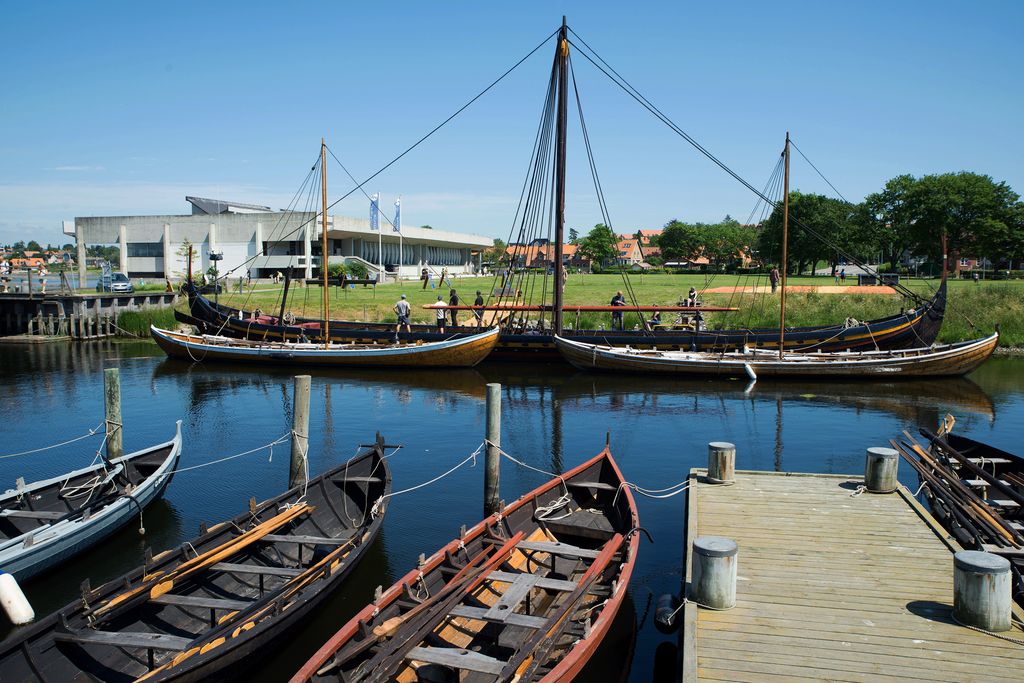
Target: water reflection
(553, 418)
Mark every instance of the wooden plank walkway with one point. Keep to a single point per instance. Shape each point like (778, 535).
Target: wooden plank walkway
(832, 587)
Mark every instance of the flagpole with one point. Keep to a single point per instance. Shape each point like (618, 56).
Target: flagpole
(398, 229)
(380, 246)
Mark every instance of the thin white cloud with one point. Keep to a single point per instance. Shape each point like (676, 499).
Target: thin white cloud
(77, 169)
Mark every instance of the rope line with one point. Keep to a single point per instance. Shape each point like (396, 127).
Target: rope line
(92, 432)
(375, 510)
(281, 439)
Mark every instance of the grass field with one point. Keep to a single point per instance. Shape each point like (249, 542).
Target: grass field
(973, 311)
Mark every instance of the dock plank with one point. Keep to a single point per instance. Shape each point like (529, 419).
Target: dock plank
(831, 587)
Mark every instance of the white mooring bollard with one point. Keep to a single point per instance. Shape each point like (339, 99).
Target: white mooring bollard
(880, 466)
(14, 602)
(713, 574)
(981, 590)
(721, 462)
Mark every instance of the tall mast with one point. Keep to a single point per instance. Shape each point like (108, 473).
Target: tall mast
(785, 242)
(562, 61)
(323, 227)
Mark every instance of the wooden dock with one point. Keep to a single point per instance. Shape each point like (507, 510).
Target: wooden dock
(832, 587)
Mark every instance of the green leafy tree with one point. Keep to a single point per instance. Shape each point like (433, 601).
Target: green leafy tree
(600, 245)
(813, 218)
(574, 236)
(977, 215)
(679, 241)
(33, 246)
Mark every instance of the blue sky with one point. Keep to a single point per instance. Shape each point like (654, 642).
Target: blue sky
(124, 108)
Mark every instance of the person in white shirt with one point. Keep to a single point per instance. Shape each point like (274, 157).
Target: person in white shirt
(403, 310)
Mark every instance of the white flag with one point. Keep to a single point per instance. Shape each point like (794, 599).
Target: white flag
(374, 212)
(398, 215)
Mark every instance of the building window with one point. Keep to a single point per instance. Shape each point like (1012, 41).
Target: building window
(964, 262)
(145, 249)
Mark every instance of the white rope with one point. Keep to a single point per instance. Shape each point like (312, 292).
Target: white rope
(920, 488)
(1009, 639)
(270, 445)
(657, 494)
(92, 432)
(472, 456)
(860, 489)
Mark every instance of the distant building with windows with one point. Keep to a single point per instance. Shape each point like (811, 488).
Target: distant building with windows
(251, 237)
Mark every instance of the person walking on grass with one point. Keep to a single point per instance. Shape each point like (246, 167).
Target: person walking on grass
(773, 277)
(617, 300)
(441, 314)
(479, 314)
(453, 300)
(402, 309)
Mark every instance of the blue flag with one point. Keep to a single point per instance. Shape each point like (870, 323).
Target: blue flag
(398, 215)
(374, 212)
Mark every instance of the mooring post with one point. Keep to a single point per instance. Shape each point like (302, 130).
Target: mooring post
(297, 473)
(880, 467)
(492, 466)
(713, 574)
(112, 401)
(981, 590)
(721, 462)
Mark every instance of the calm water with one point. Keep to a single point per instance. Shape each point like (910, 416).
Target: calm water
(553, 418)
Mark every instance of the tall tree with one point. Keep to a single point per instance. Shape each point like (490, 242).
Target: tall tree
(574, 236)
(887, 217)
(819, 226)
(679, 241)
(600, 245)
(974, 212)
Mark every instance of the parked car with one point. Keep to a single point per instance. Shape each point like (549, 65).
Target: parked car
(117, 283)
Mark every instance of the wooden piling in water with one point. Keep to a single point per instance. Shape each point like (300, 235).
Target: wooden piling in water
(112, 405)
(492, 462)
(721, 462)
(298, 470)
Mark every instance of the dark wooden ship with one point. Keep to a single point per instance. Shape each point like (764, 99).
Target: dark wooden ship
(526, 595)
(220, 599)
(44, 523)
(975, 491)
(914, 327)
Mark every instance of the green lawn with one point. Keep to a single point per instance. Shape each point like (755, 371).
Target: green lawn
(981, 304)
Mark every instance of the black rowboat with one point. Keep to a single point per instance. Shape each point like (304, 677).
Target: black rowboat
(976, 492)
(527, 594)
(220, 598)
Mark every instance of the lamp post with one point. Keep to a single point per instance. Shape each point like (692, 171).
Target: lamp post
(215, 257)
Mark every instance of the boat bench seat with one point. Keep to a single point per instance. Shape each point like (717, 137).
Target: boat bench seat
(457, 658)
(256, 569)
(563, 549)
(511, 618)
(583, 524)
(356, 480)
(539, 581)
(990, 461)
(995, 502)
(33, 514)
(307, 540)
(141, 639)
(981, 483)
(600, 485)
(201, 601)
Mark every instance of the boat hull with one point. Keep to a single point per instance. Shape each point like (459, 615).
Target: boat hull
(52, 545)
(941, 361)
(64, 645)
(462, 352)
(917, 327)
(582, 650)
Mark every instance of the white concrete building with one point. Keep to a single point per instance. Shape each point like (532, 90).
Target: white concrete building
(256, 238)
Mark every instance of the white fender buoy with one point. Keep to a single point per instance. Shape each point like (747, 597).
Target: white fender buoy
(14, 602)
(750, 372)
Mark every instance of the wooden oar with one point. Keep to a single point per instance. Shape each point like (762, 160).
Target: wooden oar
(159, 584)
(542, 639)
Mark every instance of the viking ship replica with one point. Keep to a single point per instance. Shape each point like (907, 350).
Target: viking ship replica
(221, 598)
(531, 339)
(46, 522)
(525, 595)
(942, 360)
(975, 491)
(461, 351)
